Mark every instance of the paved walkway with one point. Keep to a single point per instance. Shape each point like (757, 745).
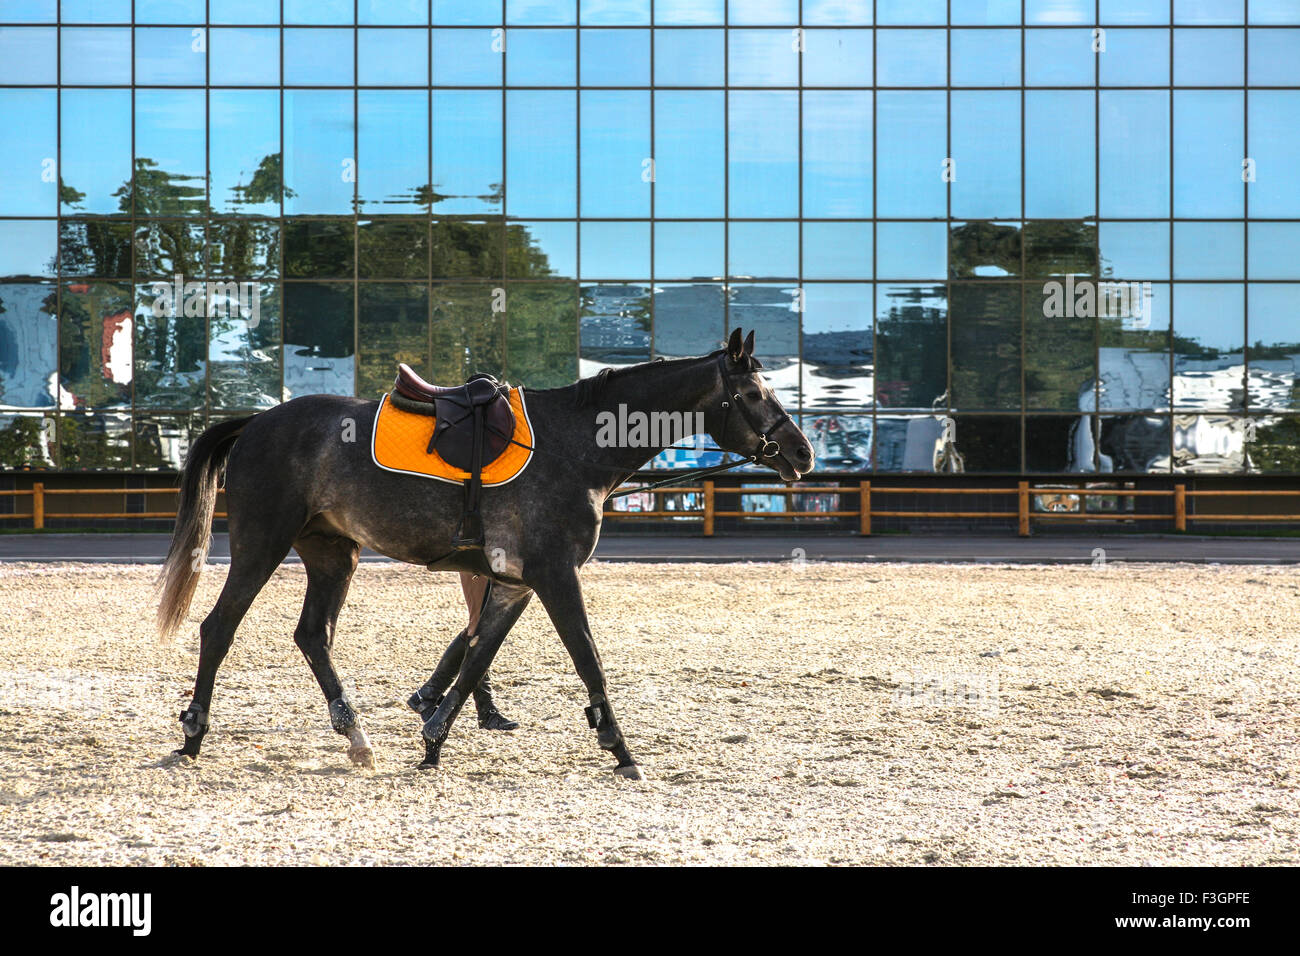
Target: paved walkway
(1062, 549)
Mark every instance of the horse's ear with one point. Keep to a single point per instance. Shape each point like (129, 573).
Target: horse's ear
(735, 347)
(749, 343)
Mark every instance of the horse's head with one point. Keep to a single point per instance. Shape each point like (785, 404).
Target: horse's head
(749, 420)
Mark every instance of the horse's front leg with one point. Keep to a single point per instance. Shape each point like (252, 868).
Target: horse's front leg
(504, 605)
(562, 597)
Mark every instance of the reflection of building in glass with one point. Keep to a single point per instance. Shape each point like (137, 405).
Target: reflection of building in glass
(621, 186)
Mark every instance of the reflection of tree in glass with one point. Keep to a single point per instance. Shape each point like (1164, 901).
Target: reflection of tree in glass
(912, 348)
(22, 444)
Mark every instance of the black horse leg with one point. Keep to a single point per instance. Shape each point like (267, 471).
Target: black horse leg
(505, 604)
(330, 562)
(562, 598)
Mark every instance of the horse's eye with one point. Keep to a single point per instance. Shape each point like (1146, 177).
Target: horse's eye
(754, 396)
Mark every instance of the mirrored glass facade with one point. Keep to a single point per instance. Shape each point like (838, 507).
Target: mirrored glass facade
(1038, 237)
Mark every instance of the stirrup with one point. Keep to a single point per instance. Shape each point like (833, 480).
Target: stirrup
(470, 536)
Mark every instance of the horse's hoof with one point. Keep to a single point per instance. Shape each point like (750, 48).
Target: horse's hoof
(427, 765)
(177, 758)
(363, 757)
(630, 772)
(497, 721)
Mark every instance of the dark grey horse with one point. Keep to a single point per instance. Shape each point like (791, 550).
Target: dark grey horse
(294, 480)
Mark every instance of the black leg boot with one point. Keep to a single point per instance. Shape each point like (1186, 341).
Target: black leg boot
(489, 718)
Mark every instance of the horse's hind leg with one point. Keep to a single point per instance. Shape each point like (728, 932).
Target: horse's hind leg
(330, 561)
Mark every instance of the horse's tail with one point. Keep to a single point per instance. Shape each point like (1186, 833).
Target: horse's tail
(198, 502)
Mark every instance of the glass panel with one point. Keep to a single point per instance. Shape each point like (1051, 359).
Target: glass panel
(689, 250)
(1209, 11)
(1135, 58)
(1209, 334)
(614, 327)
(232, 11)
(94, 442)
(841, 442)
(95, 247)
(245, 58)
(1274, 118)
(468, 332)
(1056, 248)
(1273, 445)
(318, 338)
(615, 57)
(910, 12)
(170, 57)
(95, 56)
(1208, 57)
(244, 154)
(763, 157)
(467, 174)
(28, 55)
(690, 11)
(169, 11)
(95, 169)
(838, 347)
(393, 11)
(615, 250)
(542, 334)
(836, 57)
(1059, 155)
(1060, 444)
(28, 153)
(906, 443)
(467, 249)
(393, 143)
(467, 58)
(689, 57)
(1134, 11)
(1060, 357)
(392, 327)
(615, 153)
(163, 441)
(318, 57)
(762, 58)
(1209, 444)
(28, 248)
(763, 250)
(243, 248)
(539, 249)
(95, 322)
(1059, 58)
(392, 57)
(541, 153)
(1274, 11)
(988, 174)
(1209, 250)
(1274, 250)
(244, 345)
(1133, 362)
(27, 441)
(1134, 153)
(320, 169)
(1059, 11)
(690, 150)
(912, 138)
(1274, 353)
(541, 12)
(848, 12)
(1135, 250)
(837, 154)
(318, 248)
(467, 11)
(985, 57)
(107, 11)
(912, 346)
(319, 11)
(1134, 444)
(29, 346)
(985, 12)
(770, 313)
(837, 250)
(170, 153)
(986, 443)
(985, 250)
(763, 11)
(911, 57)
(985, 345)
(394, 249)
(542, 58)
(170, 344)
(165, 247)
(616, 11)
(912, 250)
(690, 319)
(1208, 146)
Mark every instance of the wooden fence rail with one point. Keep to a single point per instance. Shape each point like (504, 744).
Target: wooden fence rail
(863, 491)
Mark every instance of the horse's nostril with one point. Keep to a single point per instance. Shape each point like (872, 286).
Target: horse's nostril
(805, 454)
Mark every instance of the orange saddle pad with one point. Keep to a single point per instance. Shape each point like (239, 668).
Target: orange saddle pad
(401, 438)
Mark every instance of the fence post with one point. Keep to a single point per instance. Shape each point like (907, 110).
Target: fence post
(1180, 507)
(864, 508)
(38, 505)
(1023, 494)
(708, 509)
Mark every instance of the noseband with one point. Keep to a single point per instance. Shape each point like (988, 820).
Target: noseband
(733, 399)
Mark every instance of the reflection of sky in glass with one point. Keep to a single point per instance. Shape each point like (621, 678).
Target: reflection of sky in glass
(689, 250)
(29, 56)
(912, 134)
(689, 57)
(318, 57)
(245, 57)
(690, 144)
(985, 57)
(1208, 57)
(318, 145)
(541, 153)
(763, 250)
(245, 127)
(466, 150)
(988, 174)
(96, 147)
(763, 157)
(1059, 137)
(615, 57)
(836, 154)
(615, 250)
(96, 55)
(615, 150)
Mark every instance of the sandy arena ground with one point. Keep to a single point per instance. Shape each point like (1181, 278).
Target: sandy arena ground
(783, 714)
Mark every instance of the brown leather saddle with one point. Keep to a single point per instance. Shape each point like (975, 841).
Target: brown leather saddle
(474, 424)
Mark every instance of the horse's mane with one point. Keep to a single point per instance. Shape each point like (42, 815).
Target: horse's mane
(587, 391)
